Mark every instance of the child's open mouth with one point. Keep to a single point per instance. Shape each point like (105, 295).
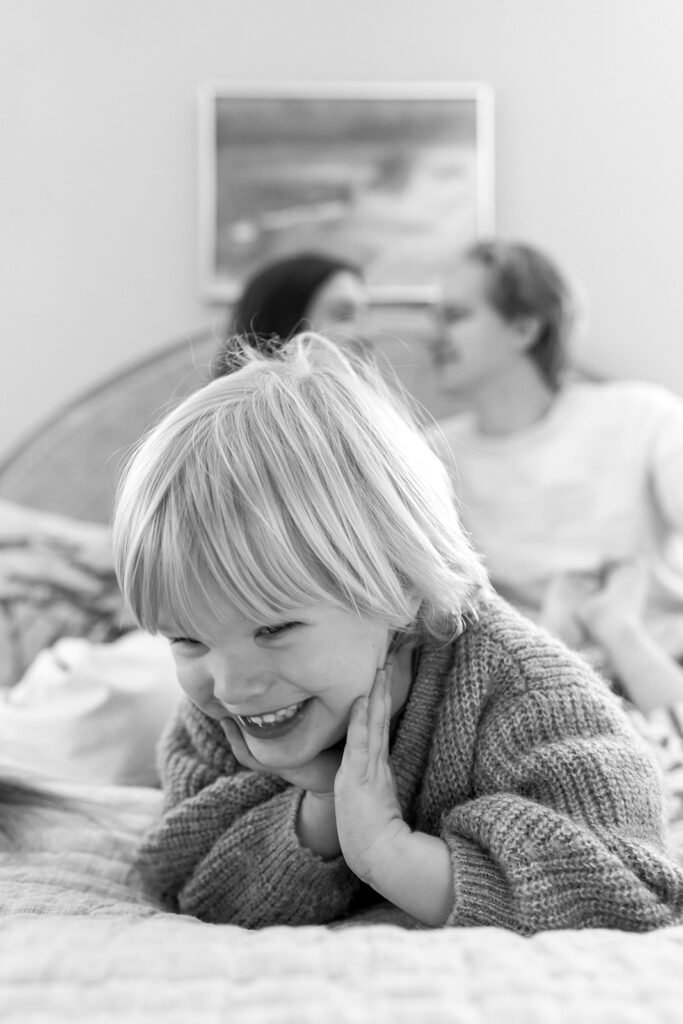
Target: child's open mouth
(273, 724)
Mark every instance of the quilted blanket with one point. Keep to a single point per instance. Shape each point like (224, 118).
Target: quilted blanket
(184, 972)
(80, 941)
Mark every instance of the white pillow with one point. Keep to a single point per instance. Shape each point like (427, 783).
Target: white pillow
(56, 579)
(91, 712)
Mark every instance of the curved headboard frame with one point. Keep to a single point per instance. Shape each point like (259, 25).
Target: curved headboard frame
(69, 464)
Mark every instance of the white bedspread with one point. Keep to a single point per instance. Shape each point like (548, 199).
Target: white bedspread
(79, 941)
(164, 969)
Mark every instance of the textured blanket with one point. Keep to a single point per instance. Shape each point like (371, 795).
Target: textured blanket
(80, 941)
(66, 969)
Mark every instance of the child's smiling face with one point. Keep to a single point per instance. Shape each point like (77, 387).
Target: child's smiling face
(289, 684)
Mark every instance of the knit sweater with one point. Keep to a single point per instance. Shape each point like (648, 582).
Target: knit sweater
(509, 748)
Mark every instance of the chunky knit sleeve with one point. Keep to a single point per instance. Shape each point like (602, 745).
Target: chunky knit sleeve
(226, 848)
(564, 826)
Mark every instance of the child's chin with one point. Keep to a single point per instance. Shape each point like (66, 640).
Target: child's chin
(290, 752)
(281, 753)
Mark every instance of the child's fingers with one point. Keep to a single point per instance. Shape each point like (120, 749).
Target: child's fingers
(389, 675)
(377, 716)
(356, 747)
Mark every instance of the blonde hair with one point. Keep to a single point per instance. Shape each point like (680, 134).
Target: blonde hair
(300, 478)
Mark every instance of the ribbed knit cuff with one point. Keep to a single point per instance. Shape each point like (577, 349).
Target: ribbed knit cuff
(481, 894)
(308, 888)
(260, 874)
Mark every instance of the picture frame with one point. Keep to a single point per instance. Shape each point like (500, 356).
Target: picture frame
(394, 176)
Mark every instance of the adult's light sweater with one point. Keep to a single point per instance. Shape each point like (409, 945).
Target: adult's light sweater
(598, 479)
(509, 748)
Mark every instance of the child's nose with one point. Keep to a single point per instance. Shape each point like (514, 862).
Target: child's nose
(235, 685)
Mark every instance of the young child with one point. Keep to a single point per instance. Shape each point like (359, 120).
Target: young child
(366, 718)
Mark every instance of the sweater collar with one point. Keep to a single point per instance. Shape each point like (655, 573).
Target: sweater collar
(412, 740)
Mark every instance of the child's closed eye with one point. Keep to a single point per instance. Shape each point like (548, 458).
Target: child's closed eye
(173, 640)
(277, 630)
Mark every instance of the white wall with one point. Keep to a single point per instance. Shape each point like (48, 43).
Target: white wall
(98, 222)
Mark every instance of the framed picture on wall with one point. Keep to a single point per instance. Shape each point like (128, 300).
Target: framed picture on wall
(395, 176)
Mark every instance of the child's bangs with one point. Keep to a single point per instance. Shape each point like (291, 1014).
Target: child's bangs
(278, 489)
(192, 565)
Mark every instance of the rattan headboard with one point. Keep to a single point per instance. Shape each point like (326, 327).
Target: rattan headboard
(69, 465)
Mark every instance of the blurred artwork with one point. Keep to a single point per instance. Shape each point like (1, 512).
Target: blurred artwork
(395, 177)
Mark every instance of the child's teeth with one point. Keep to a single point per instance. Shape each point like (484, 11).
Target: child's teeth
(273, 716)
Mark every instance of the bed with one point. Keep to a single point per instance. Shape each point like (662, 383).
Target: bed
(79, 937)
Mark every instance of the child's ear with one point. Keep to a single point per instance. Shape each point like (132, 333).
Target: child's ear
(396, 636)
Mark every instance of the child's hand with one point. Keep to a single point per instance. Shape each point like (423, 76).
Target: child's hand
(368, 811)
(317, 776)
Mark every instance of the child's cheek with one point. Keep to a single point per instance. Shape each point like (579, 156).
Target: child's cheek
(198, 686)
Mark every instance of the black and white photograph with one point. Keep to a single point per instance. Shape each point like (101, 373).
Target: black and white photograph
(341, 512)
